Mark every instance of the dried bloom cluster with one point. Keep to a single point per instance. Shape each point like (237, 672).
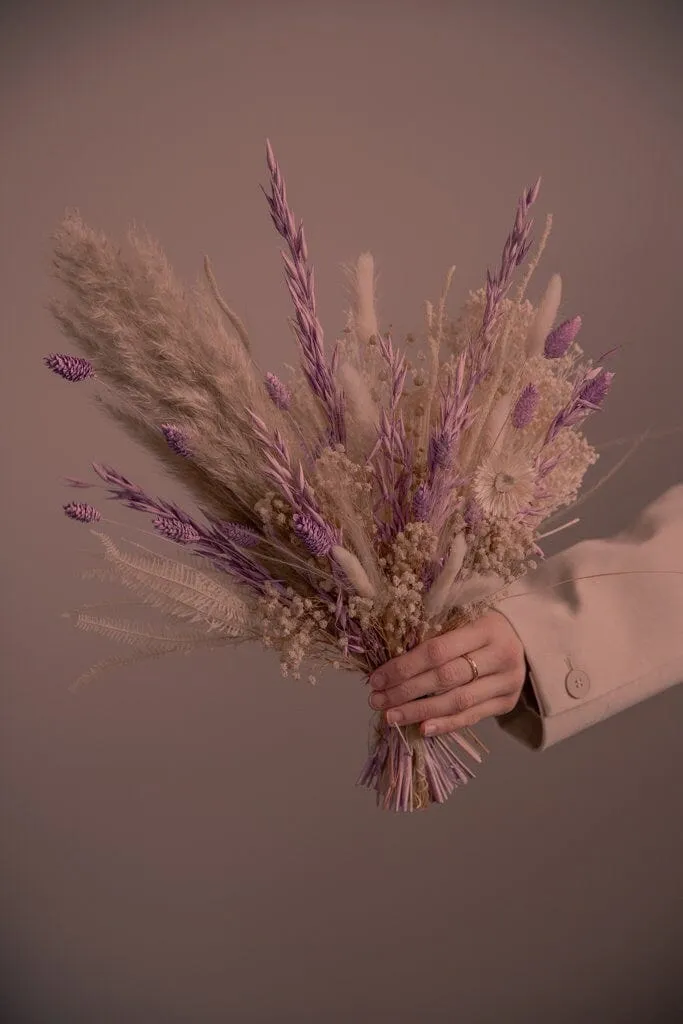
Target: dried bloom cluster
(355, 509)
(290, 623)
(504, 547)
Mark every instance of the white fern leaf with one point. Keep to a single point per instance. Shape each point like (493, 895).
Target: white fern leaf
(134, 633)
(141, 655)
(179, 589)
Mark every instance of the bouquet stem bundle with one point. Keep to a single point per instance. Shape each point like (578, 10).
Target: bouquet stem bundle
(353, 511)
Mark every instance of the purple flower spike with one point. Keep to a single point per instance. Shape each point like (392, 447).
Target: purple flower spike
(317, 538)
(594, 392)
(181, 533)
(421, 504)
(71, 368)
(278, 391)
(241, 535)
(177, 439)
(82, 513)
(525, 407)
(559, 340)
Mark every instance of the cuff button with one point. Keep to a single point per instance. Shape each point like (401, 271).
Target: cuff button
(577, 684)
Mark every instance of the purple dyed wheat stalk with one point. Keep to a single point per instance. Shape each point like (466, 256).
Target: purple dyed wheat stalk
(454, 414)
(300, 281)
(213, 543)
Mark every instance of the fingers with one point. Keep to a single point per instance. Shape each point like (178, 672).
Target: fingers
(429, 656)
(445, 677)
(463, 700)
(438, 726)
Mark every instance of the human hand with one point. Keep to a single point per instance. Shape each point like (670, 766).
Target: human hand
(433, 683)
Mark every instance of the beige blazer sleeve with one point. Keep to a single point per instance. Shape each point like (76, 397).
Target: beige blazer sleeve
(596, 646)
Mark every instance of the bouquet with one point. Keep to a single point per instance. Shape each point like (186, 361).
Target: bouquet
(366, 503)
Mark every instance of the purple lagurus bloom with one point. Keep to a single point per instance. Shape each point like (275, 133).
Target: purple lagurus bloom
(317, 537)
(71, 368)
(173, 529)
(241, 535)
(559, 339)
(525, 407)
(82, 512)
(176, 438)
(278, 392)
(594, 392)
(440, 446)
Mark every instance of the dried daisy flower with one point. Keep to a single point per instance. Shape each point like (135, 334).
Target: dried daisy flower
(504, 483)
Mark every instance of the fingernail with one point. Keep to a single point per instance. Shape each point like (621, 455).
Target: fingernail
(377, 700)
(428, 730)
(377, 681)
(393, 717)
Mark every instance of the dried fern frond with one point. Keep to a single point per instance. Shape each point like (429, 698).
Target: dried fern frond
(118, 661)
(142, 635)
(180, 590)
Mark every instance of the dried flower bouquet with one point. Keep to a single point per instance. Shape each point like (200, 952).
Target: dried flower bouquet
(356, 510)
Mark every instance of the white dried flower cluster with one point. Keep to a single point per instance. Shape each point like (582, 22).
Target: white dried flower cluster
(337, 477)
(411, 550)
(291, 626)
(564, 480)
(362, 609)
(274, 512)
(404, 563)
(502, 546)
(515, 319)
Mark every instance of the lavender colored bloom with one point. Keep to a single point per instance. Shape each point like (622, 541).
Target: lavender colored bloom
(71, 368)
(241, 535)
(318, 538)
(525, 407)
(278, 391)
(559, 339)
(594, 391)
(177, 439)
(421, 503)
(82, 512)
(439, 450)
(172, 528)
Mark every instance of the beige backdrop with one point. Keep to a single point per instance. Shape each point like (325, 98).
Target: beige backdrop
(183, 843)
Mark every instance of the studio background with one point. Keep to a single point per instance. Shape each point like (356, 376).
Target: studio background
(182, 842)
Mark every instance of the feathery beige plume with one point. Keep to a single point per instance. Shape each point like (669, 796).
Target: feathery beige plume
(362, 409)
(479, 587)
(165, 353)
(435, 601)
(364, 314)
(354, 571)
(222, 304)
